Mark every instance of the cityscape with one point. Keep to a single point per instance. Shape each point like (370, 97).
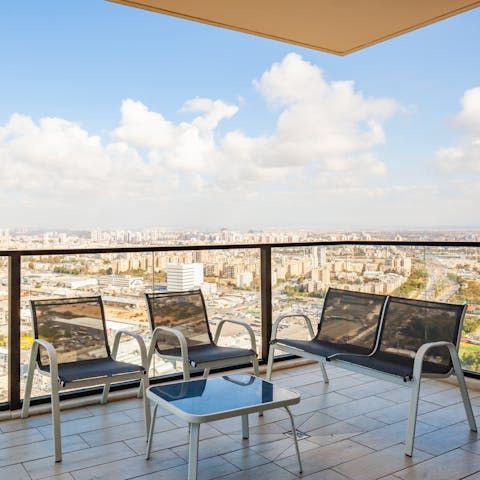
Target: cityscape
(230, 279)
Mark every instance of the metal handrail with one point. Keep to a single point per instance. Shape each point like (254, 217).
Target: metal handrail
(235, 246)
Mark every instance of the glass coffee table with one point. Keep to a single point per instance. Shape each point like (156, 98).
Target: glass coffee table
(207, 400)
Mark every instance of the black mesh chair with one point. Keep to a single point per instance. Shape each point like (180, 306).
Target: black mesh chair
(417, 339)
(181, 333)
(71, 347)
(349, 324)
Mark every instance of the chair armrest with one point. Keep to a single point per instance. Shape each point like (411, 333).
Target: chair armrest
(282, 317)
(421, 352)
(242, 324)
(138, 338)
(181, 340)
(51, 352)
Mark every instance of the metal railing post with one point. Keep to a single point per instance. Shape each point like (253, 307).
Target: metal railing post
(266, 297)
(14, 278)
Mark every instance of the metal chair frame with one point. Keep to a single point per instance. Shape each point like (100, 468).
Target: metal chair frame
(183, 358)
(105, 380)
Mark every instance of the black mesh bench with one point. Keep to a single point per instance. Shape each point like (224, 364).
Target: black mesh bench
(391, 338)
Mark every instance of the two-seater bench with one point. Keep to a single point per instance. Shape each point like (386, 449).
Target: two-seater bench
(389, 337)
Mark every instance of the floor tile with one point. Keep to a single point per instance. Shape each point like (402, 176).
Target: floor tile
(400, 411)
(123, 432)
(268, 471)
(212, 447)
(354, 408)
(445, 416)
(14, 472)
(320, 402)
(37, 450)
(169, 439)
(445, 439)
(93, 422)
(325, 457)
(85, 458)
(245, 458)
(215, 467)
(392, 434)
(368, 389)
(379, 464)
(20, 437)
(326, 475)
(130, 468)
(453, 465)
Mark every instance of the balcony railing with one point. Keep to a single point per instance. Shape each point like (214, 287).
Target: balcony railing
(257, 282)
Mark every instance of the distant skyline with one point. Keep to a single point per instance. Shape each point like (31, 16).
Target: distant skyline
(114, 117)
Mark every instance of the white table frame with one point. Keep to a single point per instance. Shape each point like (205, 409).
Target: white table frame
(194, 422)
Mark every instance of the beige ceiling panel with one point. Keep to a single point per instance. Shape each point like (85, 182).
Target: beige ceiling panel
(334, 26)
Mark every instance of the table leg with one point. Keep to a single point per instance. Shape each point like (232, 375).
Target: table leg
(193, 451)
(294, 433)
(245, 433)
(150, 431)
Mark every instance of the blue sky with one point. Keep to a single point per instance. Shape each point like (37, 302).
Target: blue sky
(80, 61)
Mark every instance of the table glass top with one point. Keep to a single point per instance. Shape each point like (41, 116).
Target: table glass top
(218, 394)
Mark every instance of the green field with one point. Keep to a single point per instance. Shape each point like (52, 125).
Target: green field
(469, 354)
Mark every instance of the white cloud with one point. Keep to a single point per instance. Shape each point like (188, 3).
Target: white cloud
(464, 157)
(56, 157)
(330, 126)
(324, 138)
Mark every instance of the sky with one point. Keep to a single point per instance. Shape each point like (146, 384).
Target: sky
(114, 117)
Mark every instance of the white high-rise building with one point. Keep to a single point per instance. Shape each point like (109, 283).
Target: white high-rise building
(244, 279)
(184, 276)
(314, 257)
(322, 257)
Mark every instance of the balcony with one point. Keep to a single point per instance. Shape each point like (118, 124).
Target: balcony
(354, 426)
(354, 430)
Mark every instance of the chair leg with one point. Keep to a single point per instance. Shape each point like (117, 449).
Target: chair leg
(206, 371)
(271, 354)
(294, 435)
(324, 373)
(463, 390)
(150, 355)
(412, 417)
(256, 371)
(106, 391)
(144, 383)
(150, 431)
(28, 386)
(57, 438)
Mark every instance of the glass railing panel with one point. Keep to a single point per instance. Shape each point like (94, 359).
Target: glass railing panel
(409, 263)
(230, 282)
(301, 277)
(120, 278)
(3, 329)
(455, 278)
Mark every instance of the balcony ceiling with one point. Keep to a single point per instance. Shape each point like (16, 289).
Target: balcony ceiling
(333, 26)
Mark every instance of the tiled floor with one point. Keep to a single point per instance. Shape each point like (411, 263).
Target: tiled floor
(356, 426)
